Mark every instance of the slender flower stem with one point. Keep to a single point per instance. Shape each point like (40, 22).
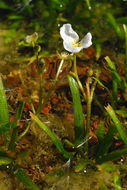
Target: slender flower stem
(92, 89)
(80, 86)
(75, 67)
(89, 100)
(52, 88)
(77, 78)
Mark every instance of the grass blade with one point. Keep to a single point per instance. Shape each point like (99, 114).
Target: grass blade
(78, 113)
(114, 24)
(117, 123)
(5, 160)
(107, 141)
(100, 131)
(112, 156)
(15, 128)
(117, 182)
(25, 179)
(115, 79)
(53, 137)
(4, 114)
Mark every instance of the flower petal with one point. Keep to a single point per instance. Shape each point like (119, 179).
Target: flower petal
(68, 34)
(86, 41)
(70, 48)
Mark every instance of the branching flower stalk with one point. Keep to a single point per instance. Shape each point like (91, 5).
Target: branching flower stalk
(90, 93)
(88, 96)
(75, 74)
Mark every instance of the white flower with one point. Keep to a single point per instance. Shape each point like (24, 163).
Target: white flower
(71, 39)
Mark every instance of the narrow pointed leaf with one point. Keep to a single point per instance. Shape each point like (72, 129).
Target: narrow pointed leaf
(4, 114)
(78, 113)
(118, 125)
(53, 137)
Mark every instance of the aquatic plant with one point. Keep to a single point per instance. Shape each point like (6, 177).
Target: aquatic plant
(82, 134)
(80, 90)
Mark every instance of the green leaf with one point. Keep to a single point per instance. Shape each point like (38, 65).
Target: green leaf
(117, 182)
(78, 113)
(112, 156)
(53, 137)
(117, 123)
(103, 187)
(25, 179)
(122, 113)
(115, 25)
(4, 114)
(115, 80)
(113, 70)
(81, 165)
(5, 160)
(102, 85)
(107, 141)
(14, 126)
(100, 131)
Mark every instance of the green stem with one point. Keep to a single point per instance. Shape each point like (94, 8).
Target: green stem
(77, 78)
(88, 116)
(52, 88)
(80, 86)
(93, 89)
(75, 67)
(23, 133)
(114, 92)
(90, 93)
(89, 100)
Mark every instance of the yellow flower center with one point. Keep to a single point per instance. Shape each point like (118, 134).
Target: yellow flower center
(76, 44)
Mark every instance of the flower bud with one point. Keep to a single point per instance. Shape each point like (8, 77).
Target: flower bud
(89, 72)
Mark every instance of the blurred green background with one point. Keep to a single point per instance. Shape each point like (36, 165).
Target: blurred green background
(103, 18)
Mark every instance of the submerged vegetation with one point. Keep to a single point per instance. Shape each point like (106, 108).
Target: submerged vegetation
(63, 114)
